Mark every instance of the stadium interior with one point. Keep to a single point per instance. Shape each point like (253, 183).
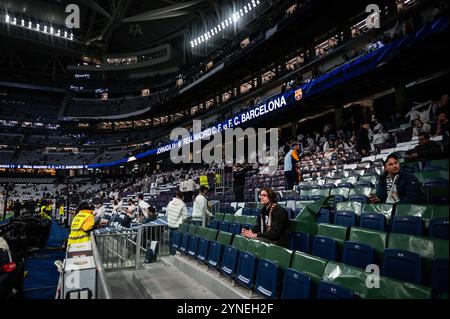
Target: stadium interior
(349, 200)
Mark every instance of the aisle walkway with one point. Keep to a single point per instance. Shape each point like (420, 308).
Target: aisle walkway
(42, 278)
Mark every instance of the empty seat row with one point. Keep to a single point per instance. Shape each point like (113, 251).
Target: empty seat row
(273, 271)
(365, 247)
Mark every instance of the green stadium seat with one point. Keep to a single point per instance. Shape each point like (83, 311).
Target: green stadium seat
(428, 248)
(385, 209)
(425, 211)
(370, 178)
(192, 230)
(366, 191)
(438, 163)
(351, 180)
(240, 243)
(306, 226)
(421, 176)
(183, 228)
(219, 216)
(310, 265)
(252, 220)
(376, 239)
(239, 219)
(355, 279)
(352, 206)
(342, 191)
(336, 232)
(229, 218)
(320, 192)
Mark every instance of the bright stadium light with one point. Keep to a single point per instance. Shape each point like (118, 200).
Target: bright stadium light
(30, 25)
(22, 22)
(51, 30)
(233, 18)
(14, 21)
(7, 18)
(45, 29)
(37, 27)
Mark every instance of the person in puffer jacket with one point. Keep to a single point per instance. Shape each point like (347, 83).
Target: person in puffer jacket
(176, 213)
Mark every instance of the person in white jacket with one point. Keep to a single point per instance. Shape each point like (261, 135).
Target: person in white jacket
(200, 209)
(176, 212)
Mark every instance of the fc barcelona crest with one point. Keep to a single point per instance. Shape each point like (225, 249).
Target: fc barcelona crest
(298, 94)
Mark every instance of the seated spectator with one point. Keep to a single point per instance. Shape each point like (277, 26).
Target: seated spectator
(420, 127)
(395, 185)
(441, 126)
(426, 149)
(273, 221)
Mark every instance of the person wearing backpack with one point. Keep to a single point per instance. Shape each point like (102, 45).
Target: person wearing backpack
(176, 212)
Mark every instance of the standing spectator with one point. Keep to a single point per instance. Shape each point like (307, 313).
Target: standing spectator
(289, 166)
(200, 208)
(239, 182)
(176, 213)
(362, 140)
(190, 185)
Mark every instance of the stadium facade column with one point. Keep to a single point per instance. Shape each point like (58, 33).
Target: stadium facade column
(338, 113)
(401, 101)
(294, 128)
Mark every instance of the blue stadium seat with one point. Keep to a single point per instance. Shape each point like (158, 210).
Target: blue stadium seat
(329, 290)
(268, 275)
(303, 197)
(345, 185)
(439, 228)
(193, 245)
(403, 265)
(316, 197)
(255, 212)
(229, 210)
(358, 198)
(235, 228)
(214, 254)
(246, 269)
(176, 237)
(296, 285)
(299, 241)
(246, 211)
(184, 244)
(439, 275)
(213, 224)
(373, 221)
(323, 216)
(324, 247)
(328, 186)
(229, 261)
(363, 184)
(345, 218)
(411, 225)
(202, 249)
(358, 255)
(224, 226)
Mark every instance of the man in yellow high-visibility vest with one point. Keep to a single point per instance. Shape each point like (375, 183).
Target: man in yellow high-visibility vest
(82, 224)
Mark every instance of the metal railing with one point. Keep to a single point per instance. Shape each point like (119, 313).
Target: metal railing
(124, 249)
(103, 289)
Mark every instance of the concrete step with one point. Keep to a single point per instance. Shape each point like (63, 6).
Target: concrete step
(161, 280)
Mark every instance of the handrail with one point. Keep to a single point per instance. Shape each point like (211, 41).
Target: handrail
(101, 280)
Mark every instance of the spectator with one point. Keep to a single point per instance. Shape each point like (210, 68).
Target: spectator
(99, 211)
(200, 208)
(146, 212)
(273, 221)
(442, 106)
(82, 224)
(426, 149)
(290, 161)
(176, 213)
(420, 127)
(441, 126)
(362, 140)
(190, 186)
(395, 185)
